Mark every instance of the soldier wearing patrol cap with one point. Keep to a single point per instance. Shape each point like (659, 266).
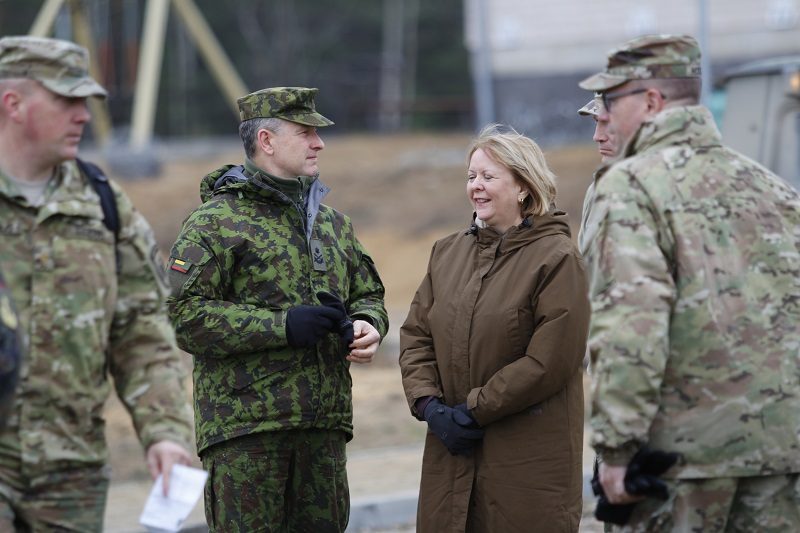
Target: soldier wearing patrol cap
(274, 297)
(694, 256)
(607, 144)
(89, 306)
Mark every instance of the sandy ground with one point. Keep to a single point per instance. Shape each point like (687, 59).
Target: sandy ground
(402, 192)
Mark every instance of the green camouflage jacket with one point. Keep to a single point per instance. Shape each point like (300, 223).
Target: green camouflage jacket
(694, 259)
(241, 261)
(83, 322)
(9, 351)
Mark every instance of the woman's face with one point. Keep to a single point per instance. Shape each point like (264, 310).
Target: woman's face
(493, 191)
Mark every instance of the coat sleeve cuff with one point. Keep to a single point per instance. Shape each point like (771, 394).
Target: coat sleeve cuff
(617, 456)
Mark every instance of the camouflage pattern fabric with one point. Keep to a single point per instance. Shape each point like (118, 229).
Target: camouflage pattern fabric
(61, 66)
(648, 57)
(83, 320)
(67, 500)
(767, 504)
(694, 266)
(10, 351)
(284, 481)
(241, 261)
(295, 104)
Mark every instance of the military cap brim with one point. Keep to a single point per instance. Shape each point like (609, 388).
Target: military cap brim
(75, 87)
(308, 119)
(590, 109)
(602, 81)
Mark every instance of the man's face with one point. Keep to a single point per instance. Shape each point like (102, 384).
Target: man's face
(627, 112)
(296, 149)
(606, 142)
(52, 124)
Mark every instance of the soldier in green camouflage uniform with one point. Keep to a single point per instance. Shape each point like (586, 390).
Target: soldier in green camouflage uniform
(9, 351)
(85, 312)
(694, 259)
(250, 272)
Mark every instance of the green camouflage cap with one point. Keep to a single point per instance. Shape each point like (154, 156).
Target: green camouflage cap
(61, 66)
(592, 107)
(295, 104)
(648, 57)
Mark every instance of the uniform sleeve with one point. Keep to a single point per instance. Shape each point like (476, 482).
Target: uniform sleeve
(365, 300)
(555, 351)
(418, 366)
(632, 293)
(206, 324)
(143, 358)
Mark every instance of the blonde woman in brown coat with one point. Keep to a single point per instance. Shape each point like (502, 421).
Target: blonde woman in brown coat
(491, 354)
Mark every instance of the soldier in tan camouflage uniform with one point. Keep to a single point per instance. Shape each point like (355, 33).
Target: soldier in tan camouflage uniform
(266, 279)
(694, 259)
(90, 308)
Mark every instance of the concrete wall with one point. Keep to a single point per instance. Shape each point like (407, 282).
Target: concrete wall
(540, 49)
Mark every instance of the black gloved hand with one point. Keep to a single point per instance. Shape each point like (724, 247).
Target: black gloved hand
(462, 407)
(307, 324)
(452, 427)
(345, 326)
(641, 478)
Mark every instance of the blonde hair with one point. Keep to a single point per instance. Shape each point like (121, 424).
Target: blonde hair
(523, 157)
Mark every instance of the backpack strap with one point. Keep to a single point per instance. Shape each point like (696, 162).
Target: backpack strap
(108, 203)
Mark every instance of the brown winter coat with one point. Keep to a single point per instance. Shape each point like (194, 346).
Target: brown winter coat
(500, 322)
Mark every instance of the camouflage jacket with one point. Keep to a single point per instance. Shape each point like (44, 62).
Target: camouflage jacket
(85, 321)
(9, 351)
(694, 259)
(241, 261)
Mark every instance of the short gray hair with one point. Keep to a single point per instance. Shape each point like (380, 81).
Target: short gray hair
(248, 132)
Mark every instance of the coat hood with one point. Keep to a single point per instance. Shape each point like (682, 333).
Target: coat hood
(533, 228)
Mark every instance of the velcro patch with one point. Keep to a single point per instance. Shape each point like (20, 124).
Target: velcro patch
(180, 265)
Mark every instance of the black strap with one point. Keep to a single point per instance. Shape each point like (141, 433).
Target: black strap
(103, 189)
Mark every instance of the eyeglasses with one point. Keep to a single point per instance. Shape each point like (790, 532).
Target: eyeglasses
(607, 98)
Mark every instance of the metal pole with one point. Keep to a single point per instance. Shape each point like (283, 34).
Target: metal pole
(101, 123)
(482, 68)
(705, 57)
(217, 60)
(147, 77)
(45, 18)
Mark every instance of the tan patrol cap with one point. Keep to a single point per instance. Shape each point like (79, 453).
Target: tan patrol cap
(648, 57)
(61, 66)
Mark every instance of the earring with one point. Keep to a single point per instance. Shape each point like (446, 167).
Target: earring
(520, 199)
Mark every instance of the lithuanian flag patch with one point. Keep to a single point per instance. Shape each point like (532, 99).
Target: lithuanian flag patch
(179, 265)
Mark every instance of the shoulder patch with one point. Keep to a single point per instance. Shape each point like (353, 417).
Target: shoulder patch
(180, 265)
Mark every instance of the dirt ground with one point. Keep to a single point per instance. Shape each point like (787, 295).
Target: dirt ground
(402, 192)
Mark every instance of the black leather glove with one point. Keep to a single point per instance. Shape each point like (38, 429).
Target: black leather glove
(453, 427)
(307, 324)
(641, 478)
(345, 326)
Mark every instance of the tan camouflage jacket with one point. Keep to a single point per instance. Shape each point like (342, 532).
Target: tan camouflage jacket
(84, 321)
(693, 255)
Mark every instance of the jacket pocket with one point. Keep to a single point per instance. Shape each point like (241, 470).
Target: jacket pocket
(250, 372)
(519, 327)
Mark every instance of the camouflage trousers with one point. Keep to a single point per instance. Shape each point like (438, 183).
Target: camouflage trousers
(66, 501)
(761, 503)
(282, 481)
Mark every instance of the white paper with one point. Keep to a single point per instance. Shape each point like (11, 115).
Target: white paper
(168, 513)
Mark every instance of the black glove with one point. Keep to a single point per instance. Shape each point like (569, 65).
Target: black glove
(345, 326)
(641, 478)
(452, 426)
(462, 408)
(307, 324)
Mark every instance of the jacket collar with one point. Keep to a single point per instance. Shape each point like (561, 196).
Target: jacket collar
(531, 229)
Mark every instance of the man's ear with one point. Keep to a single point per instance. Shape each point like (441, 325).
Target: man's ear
(11, 101)
(655, 101)
(265, 138)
